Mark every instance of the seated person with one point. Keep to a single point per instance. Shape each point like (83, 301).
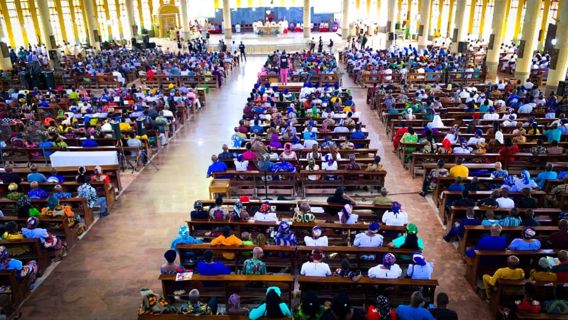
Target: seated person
(511, 272)
(382, 198)
(408, 240)
(36, 192)
(457, 185)
(170, 267)
(527, 242)
(389, 269)
(265, 213)
(35, 176)
(254, 265)
(217, 212)
(543, 271)
(559, 239)
(273, 307)
(346, 215)
(395, 216)
(458, 229)
(512, 219)
(316, 240)
(526, 200)
(198, 213)
(505, 202)
(421, 269)
(494, 241)
(196, 308)
(284, 235)
(370, 238)
(561, 269)
(529, 220)
(316, 268)
(227, 238)
(558, 305)
(208, 267)
(22, 270)
(489, 219)
(547, 174)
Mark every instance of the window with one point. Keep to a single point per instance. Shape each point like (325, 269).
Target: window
(15, 23)
(102, 20)
(29, 22)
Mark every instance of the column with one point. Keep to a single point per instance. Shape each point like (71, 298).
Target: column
(91, 22)
(5, 63)
(131, 22)
(345, 20)
(544, 24)
(529, 33)
(391, 19)
(47, 36)
(557, 71)
(497, 36)
(184, 18)
(460, 27)
(307, 19)
(227, 27)
(424, 28)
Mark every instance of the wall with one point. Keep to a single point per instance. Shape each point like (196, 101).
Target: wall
(250, 15)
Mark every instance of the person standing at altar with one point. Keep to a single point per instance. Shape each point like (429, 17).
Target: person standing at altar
(284, 68)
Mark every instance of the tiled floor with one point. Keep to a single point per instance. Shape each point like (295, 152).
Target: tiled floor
(101, 277)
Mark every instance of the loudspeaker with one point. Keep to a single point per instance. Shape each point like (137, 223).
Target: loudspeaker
(52, 41)
(550, 34)
(462, 47)
(491, 42)
(146, 39)
(521, 49)
(4, 50)
(421, 31)
(562, 89)
(455, 35)
(392, 36)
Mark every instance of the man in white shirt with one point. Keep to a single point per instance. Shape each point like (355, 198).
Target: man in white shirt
(527, 107)
(316, 240)
(504, 201)
(316, 268)
(491, 115)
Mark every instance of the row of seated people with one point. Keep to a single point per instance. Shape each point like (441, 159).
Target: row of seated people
(300, 63)
(127, 64)
(396, 63)
(59, 119)
(496, 211)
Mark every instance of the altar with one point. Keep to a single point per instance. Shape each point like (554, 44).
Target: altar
(268, 30)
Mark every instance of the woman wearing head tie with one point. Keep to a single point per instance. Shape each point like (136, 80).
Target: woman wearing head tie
(346, 215)
(389, 269)
(264, 213)
(395, 216)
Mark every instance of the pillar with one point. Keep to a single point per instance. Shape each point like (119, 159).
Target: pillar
(391, 22)
(227, 27)
(5, 63)
(497, 33)
(307, 19)
(460, 27)
(345, 20)
(544, 25)
(529, 34)
(47, 36)
(91, 22)
(133, 28)
(424, 28)
(557, 71)
(184, 18)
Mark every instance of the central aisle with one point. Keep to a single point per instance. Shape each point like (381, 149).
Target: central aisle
(102, 276)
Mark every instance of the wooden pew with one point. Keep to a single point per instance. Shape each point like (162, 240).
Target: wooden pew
(507, 291)
(547, 216)
(79, 206)
(285, 209)
(20, 289)
(343, 178)
(473, 233)
(58, 226)
(528, 258)
(343, 233)
(327, 287)
(35, 252)
(277, 257)
(222, 286)
(173, 316)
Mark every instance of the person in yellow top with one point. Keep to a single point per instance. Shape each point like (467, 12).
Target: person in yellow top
(511, 272)
(542, 271)
(459, 170)
(12, 233)
(227, 239)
